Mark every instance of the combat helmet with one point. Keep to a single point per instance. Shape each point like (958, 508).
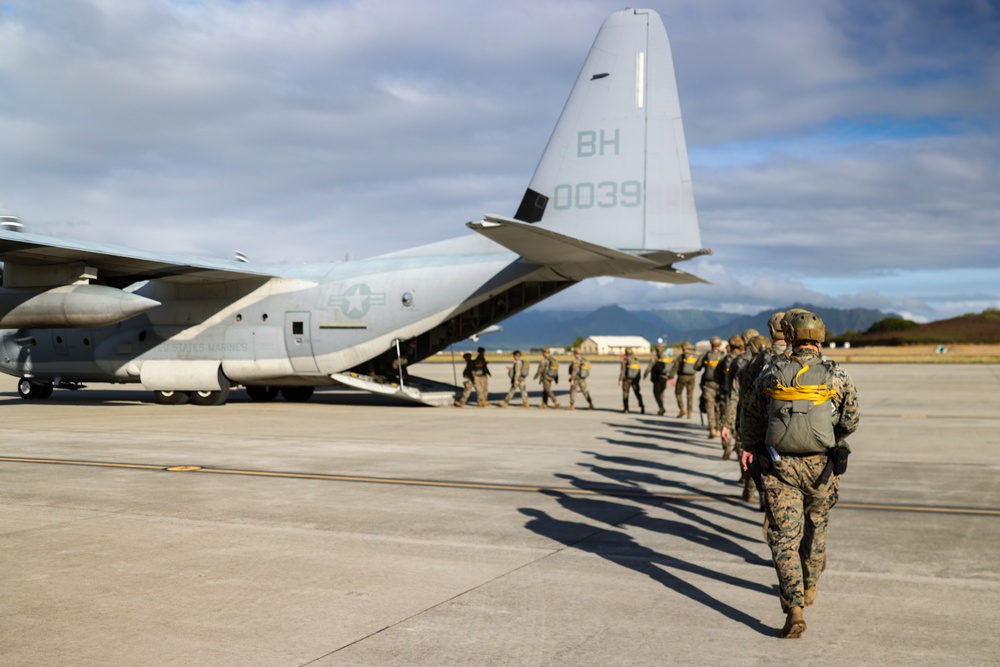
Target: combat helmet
(786, 319)
(774, 326)
(736, 341)
(759, 343)
(687, 346)
(807, 327)
(715, 341)
(749, 335)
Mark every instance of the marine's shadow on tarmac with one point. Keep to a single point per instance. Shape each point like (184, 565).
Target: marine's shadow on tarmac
(621, 549)
(659, 495)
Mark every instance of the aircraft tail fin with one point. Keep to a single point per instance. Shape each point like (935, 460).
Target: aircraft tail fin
(615, 172)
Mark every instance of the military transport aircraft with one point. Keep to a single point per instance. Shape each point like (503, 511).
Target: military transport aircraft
(611, 196)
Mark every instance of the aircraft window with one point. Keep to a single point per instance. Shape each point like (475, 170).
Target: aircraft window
(239, 318)
(297, 328)
(407, 299)
(59, 340)
(263, 318)
(86, 341)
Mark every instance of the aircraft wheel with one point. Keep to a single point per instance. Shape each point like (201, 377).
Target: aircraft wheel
(209, 397)
(170, 397)
(297, 394)
(29, 390)
(258, 392)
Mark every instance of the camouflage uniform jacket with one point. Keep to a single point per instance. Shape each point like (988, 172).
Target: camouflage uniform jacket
(735, 389)
(754, 413)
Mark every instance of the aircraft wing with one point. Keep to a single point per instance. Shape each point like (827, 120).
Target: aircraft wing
(117, 266)
(574, 259)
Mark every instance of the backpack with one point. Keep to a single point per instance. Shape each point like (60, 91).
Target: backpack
(801, 410)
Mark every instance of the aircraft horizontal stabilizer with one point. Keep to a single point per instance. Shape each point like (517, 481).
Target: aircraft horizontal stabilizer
(573, 259)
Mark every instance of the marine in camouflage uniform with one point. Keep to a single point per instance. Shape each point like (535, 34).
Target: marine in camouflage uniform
(730, 415)
(518, 373)
(725, 373)
(468, 381)
(481, 378)
(628, 379)
(579, 371)
(657, 369)
(547, 374)
(683, 370)
(787, 411)
(709, 387)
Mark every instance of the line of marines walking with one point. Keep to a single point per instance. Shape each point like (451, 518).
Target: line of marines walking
(775, 402)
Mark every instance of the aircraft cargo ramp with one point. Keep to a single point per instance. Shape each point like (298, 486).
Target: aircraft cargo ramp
(415, 390)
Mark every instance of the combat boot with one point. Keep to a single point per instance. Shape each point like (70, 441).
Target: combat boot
(571, 407)
(642, 409)
(680, 415)
(526, 405)
(689, 414)
(459, 404)
(795, 624)
(556, 405)
(660, 412)
(590, 403)
(503, 404)
(726, 453)
(810, 595)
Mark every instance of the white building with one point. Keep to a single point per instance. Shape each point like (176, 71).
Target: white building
(614, 344)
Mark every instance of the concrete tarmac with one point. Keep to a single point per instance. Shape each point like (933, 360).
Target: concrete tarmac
(350, 531)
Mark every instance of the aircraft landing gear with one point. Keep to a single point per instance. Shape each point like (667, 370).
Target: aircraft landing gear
(297, 394)
(258, 392)
(30, 390)
(170, 397)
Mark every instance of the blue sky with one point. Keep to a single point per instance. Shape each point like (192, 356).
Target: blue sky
(844, 153)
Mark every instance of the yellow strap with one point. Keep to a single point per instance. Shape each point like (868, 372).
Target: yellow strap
(713, 364)
(634, 366)
(817, 393)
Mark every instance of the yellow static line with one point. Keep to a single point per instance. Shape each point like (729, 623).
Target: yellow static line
(478, 486)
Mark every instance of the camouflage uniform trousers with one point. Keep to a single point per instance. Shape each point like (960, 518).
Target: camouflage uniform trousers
(482, 383)
(684, 383)
(798, 512)
(746, 479)
(547, 393)
(631, 384)
(579, 385)
(467, 386)
(710, 392)
(515, 386)
(659, 386)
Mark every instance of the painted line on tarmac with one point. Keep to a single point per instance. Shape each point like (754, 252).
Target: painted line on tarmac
(971, 511)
